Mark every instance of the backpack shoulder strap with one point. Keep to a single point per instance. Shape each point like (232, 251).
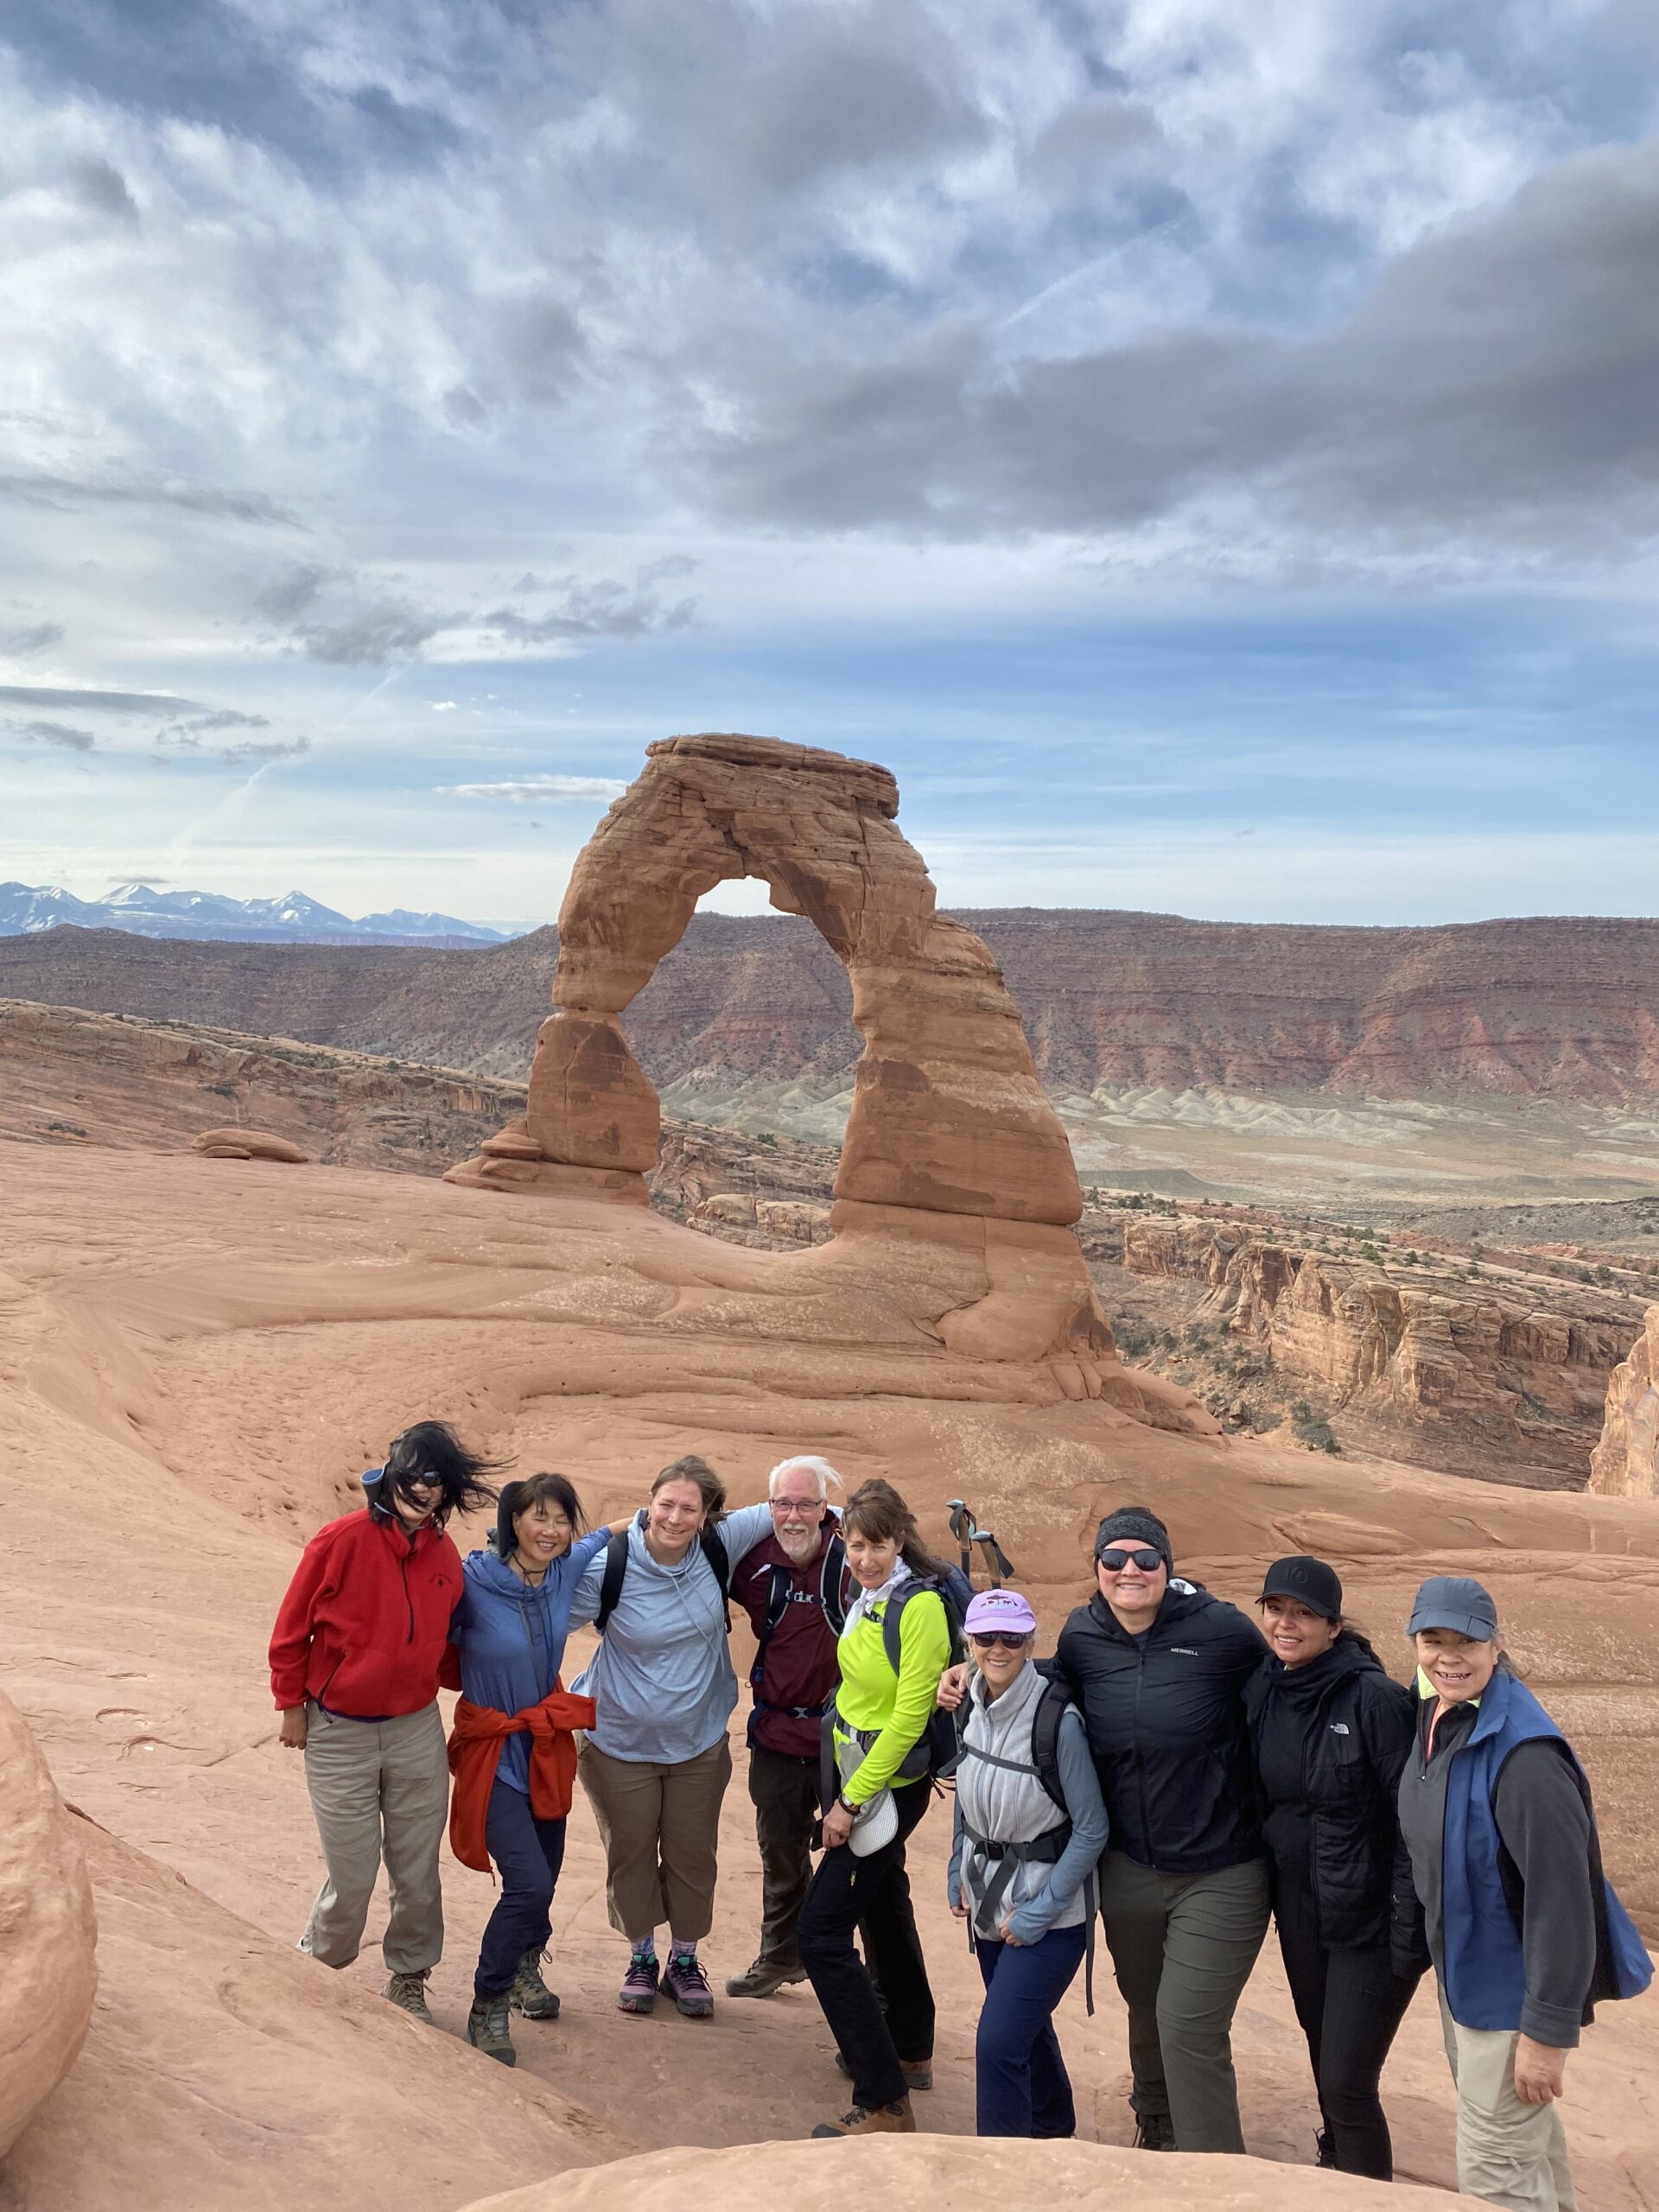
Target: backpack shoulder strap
(610, 1589)
(777, 1605)
(1051, 1708)
(721, 1567)
(892, 1616)
(832, 1584)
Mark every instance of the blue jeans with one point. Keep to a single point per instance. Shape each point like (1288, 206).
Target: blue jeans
(528, 1854)
(1020, 2080)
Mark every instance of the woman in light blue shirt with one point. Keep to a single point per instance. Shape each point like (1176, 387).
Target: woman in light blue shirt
(657, 1762)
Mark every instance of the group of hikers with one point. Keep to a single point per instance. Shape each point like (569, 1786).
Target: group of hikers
(1173, 1769)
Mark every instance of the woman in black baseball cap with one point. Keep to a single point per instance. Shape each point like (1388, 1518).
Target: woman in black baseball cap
(1332, 1733)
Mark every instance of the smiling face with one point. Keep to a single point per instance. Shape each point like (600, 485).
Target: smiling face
(674, 1516)
(998, 1661)
(1459, 1667)
(1134, 1590)
(1295, 1632)
(872, 1559)
(542, 1533)
(798, 1513)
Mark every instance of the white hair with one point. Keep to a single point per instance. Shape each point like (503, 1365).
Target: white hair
(824, 1473)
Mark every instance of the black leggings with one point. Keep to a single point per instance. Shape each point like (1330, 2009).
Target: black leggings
(873, 1895)
(1349, 2005)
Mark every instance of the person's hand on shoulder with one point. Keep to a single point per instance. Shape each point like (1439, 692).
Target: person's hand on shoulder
(953, 1686)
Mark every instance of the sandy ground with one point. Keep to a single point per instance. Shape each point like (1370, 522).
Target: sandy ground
(198, 1358)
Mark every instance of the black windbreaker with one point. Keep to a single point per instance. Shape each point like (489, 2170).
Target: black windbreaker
(1165, 1722)
(1330, 1740)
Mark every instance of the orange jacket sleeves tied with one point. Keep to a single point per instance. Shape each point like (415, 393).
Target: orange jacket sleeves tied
(475, 1743)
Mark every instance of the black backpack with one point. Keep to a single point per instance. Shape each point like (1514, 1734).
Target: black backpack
(831, 1582)
(940, 1743)
(616, 1566)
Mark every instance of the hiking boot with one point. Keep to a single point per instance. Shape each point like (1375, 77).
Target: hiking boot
(638, 1990)
(762, 1980)
(886, 2120)
(918, 2072)
(408, 1993)
(688, 1985)
(488, 2030)
(1153, 2130)
(1324, 2153)
(530, 1993)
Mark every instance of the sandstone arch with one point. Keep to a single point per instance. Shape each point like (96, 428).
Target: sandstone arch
(948, 1115)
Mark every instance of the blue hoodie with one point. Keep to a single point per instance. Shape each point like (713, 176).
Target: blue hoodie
(511, 1637)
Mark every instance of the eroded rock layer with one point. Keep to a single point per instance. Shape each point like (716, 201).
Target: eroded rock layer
(1626, 1463)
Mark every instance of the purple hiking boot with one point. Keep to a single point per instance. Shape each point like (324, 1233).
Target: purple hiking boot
(638, 1991)
(688, 1985)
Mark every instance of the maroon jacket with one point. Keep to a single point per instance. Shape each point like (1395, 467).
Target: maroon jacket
(800, 1669)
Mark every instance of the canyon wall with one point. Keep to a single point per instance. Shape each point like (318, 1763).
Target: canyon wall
(1558, 1008)
(1525, 1381)
(1625, 1462)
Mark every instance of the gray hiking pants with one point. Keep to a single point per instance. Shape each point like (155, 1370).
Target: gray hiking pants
(1183, 1945)
(379, 1789)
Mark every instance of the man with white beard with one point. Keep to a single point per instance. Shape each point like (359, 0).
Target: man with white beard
(795, 1588)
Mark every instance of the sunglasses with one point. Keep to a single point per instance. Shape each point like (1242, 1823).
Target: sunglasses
(1114, 1563)
(999, 1639)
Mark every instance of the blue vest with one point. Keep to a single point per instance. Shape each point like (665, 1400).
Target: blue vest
(1485, 1970)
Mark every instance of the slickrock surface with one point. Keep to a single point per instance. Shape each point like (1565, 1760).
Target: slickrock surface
(1625, 1462)
(47, 1933)
(201, 1359)
(239, 1143)
(922, 2169)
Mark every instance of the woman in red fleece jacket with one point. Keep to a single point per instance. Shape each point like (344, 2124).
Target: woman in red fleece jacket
(354, 1663)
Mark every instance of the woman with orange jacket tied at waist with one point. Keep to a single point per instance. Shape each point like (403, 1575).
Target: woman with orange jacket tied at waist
(511, 1749)
(355, 1658)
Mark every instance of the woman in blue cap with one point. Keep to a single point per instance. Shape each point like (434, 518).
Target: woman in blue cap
(1030, 1828)
(1332, 1733)
(1525, 1931)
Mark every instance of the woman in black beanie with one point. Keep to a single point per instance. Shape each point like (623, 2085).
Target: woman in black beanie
(1330, 1733)
(1159, 1668)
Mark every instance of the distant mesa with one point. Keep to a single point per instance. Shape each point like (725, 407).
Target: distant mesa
(295, 918)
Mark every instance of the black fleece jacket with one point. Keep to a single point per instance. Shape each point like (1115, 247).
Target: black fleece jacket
(1330, 1741)
(1166, 1718)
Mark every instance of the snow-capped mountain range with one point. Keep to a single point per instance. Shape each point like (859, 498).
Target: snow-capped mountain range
(295, 919)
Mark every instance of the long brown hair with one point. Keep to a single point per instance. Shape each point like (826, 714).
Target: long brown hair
(875, 1510)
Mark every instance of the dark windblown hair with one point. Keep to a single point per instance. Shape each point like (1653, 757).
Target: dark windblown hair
(524, 1497)
(431, 1447)
(875, 1510)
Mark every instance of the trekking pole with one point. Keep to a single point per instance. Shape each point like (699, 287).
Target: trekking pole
(968, 1533)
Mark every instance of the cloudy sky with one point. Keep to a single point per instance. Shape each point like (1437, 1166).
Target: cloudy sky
(1210, 452)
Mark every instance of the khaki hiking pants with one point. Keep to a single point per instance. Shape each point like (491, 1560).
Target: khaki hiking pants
(1509, 2153)
(660, 1827)
(379, 1789)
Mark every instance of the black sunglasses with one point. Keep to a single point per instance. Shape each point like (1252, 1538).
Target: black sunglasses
(1004, 1638)
(1114, 1563)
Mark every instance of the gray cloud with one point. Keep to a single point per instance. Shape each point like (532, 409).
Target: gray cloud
(1496, 383)
(331, 617)
(240, 756)
(68, 699)
(59, 733)
(603, 609)
(98, 184)
(34, 639)
(56, 491)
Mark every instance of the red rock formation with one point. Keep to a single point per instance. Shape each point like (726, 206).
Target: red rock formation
(47, 1934)
(1393, 1348)
(950, 1141)
(1626, 1463)
(248, 1144)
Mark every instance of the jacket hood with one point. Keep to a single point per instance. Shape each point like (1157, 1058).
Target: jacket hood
(1308, 1685)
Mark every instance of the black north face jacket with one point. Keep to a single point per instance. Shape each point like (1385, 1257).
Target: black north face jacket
(1166, 1719)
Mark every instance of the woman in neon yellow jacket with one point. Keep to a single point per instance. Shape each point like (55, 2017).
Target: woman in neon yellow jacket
(896, 1643)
